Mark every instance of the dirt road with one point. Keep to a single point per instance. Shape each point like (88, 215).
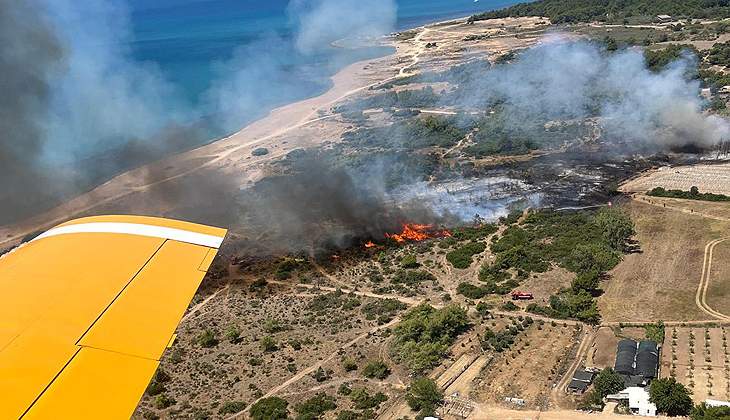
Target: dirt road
(701, 296)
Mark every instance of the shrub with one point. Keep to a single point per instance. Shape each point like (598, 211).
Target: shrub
(423, 393)
(261, 151)
(232, 407)
(376, 369)
(315, 407)
(272, 408)
(349, 365)
(462, 256)
(409, 261)
(233, 334)
(272, 326)
(268, 344)
(162, 400)
(207, 339)
(363, 400)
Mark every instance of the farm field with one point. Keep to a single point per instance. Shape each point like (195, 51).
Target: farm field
(698, 358)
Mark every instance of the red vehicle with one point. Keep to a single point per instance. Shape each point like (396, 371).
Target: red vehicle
(521, 295)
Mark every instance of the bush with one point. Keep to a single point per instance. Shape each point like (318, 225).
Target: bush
(233, 334)
(423, 393)
(268, 344)
(425, 334)
(272, 326)
(162, 400)
(207, 339)
(272, 408)
(510, 306)
(409, 261)
(376, 369)
(412, 278)
(261, 151)
(349, 365)
(364, 401)
(655, 332)
(315, 407)
(462, 256)
(232, 407)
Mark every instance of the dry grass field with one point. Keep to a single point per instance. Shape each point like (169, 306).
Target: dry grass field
(698, 358)
(529, 369)
(660, 281)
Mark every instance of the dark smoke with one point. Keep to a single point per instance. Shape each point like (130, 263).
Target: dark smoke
(29, 56)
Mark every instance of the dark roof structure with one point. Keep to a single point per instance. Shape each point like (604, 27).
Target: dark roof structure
(625, 356)
(578, 386)
(647, 359)
(583, 376)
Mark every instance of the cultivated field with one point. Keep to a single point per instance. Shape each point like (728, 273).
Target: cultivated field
(698, 358)
(713, 178)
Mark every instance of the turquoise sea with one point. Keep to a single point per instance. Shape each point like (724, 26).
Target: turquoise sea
(189, 39)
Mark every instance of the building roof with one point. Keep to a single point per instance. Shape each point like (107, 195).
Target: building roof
(648, 346)
(646, 365)
(626, 344)
(639, 399)
(663, 16)
(717, 403)
(578, 385)
(581, 375)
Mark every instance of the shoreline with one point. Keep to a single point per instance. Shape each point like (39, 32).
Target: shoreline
(231, 153)
(273, 124)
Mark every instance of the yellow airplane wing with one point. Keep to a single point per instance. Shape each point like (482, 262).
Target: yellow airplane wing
(87, 309)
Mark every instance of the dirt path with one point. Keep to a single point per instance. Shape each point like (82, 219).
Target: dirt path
(701, 296)
(585, 343)
(201, 304)
(315, 366)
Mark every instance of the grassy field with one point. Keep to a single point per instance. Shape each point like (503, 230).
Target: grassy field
(659, 282)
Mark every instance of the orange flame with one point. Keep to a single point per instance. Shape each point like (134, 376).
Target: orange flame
(370, 244)
(335, 256)
(416, 232)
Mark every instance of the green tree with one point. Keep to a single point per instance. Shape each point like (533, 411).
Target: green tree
(608, 382)
(703, 411)
(670, 397)
(587, 281)
(616, 227)
(593, 257)
(423, 393)
(376, 369)
(272, 408)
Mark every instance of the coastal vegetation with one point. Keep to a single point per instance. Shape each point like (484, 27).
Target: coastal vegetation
(574, 11)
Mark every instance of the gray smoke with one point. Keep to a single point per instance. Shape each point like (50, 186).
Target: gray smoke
(78, 109)
(29, 56)
(566, 79)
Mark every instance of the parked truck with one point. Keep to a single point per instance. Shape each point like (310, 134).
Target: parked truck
(521, 295)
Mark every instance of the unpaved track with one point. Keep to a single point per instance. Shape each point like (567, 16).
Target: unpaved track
(701, 296)
(586, 338)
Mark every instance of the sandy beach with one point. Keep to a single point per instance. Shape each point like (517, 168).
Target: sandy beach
(302, 124)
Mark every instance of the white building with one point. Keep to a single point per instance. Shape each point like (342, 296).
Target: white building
(638, 400)
(716, 403)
